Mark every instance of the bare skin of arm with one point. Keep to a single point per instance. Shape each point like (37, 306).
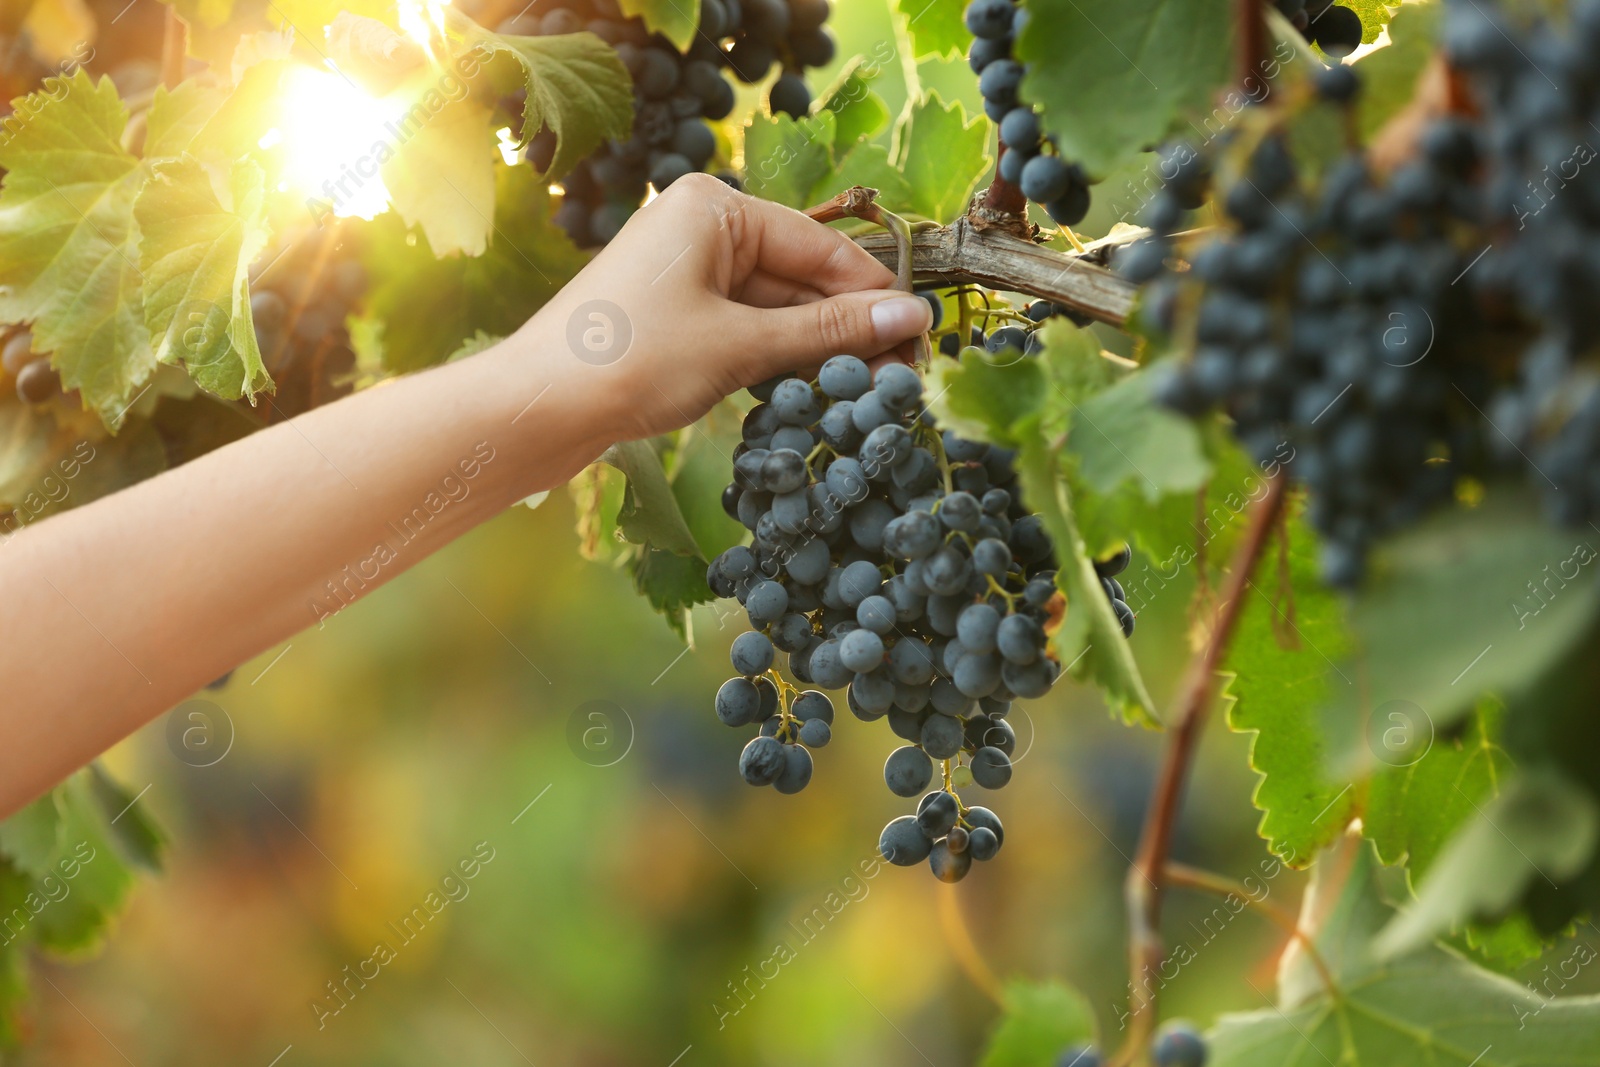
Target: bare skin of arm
(120, 609)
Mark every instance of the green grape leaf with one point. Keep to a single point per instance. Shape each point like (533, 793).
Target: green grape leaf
(253, 106)
(676, 20)
(207, 13)
(1389, 75)
(860, 113)
(68, 243)
(177, 117)
(1375, 15)
(1432, 1007)
(943, 156)
(983, 400)
(201, 226)
(1541, 826)
(577, 86)
(1412, 809)
(868, 165)
(31, 837)
(1283, 664)
(95, 879)
(936, 27)
(441, 178)
(1471, 601)
(1040, 1020)
(784, 159)
(672, 584)
(699, 472)
(1120, 435)
(429, 307)
(133, 831)
(650, 514)
(1111, 77)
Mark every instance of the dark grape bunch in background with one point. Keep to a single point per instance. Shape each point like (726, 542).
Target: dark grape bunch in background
(1177, 1044)
(32, 377)
(1537, 96)
(299, 303)
(1334, 29)
(1330, 319)
(1029, 160)
(895, 562)
(675, 95)
(1315, 311)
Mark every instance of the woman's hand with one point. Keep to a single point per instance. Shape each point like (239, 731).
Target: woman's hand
(707, 291)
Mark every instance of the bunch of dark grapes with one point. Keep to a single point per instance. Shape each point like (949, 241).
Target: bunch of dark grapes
(32, 376)
(1334, 29)
(896, 562)
(675, 95)
(1541, 198)
(1326, 318)
(299, 305)
(1029, 160)
(1177, 1044)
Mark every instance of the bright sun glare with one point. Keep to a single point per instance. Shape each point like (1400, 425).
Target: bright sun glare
(328, 127)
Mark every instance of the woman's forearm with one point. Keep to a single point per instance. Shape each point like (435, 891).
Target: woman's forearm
(120, 609)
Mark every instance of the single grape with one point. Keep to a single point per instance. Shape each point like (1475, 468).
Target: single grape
(1114, 565)
(738, 702)
(956, 839)
(814, 733)
(861, 650)
(789, 96)
(982, 844)
(990, 19)
(752, 654)
(991, 768)
(907, 771)
(813, 705)
(903, 843)
(977, 626)
(1179, 1044)
(948, 865)
(941, 737)
(763, 760)
(783, 471)
(898, 386)
(845, 378)
(876, 614)
(937, 814)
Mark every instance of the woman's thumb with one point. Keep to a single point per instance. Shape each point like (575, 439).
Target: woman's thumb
(861, 324)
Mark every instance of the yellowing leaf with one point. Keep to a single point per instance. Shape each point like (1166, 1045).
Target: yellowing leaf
(673, 19)
(442, 179)
(577, 86)
(68, 244)
(202, 225)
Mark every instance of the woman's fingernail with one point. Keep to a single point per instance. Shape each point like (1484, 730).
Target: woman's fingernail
(900, 317)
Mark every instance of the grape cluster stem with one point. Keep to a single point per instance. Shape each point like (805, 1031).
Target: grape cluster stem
(1150, 874)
